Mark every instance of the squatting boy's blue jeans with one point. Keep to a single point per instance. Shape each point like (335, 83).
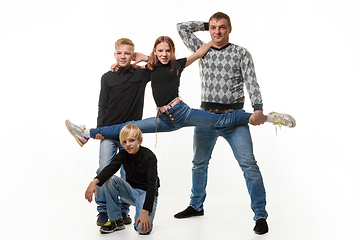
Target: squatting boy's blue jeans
(115, 187)
(108, 149)
(240, 141)
(179, 116)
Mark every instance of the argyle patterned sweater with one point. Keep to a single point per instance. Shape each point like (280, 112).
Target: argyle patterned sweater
(223, 71)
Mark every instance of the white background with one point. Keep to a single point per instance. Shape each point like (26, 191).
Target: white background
(306, 55)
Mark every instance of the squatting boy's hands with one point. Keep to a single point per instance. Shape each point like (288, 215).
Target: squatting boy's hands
(144, 221)
(91, 190)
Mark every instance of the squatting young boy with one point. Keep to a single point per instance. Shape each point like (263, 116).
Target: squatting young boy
(140, 188)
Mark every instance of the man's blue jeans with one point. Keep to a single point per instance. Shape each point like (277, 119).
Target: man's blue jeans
(179, 116)
(108, 149)
(115, 187)
(240, 141)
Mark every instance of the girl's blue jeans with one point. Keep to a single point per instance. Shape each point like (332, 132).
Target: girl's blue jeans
(179, 116)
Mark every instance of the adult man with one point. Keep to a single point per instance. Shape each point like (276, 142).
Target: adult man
(224, 70)
(121, 99)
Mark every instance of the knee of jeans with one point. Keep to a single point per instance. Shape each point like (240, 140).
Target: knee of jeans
(138, 229)
(199, 167)
(109, 184)
(251, 171)
(200, 163)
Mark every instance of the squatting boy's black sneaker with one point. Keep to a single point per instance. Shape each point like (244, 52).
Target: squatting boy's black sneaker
(261, 226)
(102, 218)
(112, 226)
(189, 212)
(126, 218)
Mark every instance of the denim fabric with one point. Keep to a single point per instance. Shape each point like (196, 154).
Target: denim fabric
(108, 149)
(181, 115)
(240, 141)
(115, 187)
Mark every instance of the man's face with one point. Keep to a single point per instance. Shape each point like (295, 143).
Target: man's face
(123, 55)
(131, 145)
(219, 31)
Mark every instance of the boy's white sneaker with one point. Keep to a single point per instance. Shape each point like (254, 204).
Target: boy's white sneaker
(77, 132)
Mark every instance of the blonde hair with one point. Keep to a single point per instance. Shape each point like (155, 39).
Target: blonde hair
(122, 41)
(130, 130)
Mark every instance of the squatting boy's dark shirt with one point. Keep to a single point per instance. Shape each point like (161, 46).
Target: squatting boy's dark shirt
(141, 172)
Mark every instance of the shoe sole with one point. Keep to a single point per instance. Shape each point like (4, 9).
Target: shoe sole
(127, 222)
(111, 231)
(290, 117)
(68, 126)
(189, 216)
(260, 233)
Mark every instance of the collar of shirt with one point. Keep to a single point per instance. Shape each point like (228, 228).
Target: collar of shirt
(223, 47)
(138, 156)
(130, 69)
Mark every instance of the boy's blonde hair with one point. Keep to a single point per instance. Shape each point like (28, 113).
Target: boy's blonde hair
(130, 130)
(124, 41)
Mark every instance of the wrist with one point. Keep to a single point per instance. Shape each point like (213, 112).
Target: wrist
(206, 26)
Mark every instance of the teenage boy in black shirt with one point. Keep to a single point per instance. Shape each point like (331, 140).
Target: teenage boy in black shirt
(140, 188)
(121, 99)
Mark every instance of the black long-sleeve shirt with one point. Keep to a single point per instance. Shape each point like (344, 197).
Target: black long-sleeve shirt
(141, 172)
(165, 82)
(122, 96)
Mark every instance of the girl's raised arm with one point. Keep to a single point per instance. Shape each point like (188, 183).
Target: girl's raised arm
(198, 54)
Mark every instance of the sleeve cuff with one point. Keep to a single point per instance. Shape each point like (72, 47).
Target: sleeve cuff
(258, 107)
(206, 26)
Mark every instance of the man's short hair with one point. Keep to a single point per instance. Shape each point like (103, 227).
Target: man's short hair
(220, 15)
(122, 41)
(130, 130)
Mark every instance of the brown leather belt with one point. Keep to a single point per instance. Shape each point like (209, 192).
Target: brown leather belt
(218, 111)
(170, 105)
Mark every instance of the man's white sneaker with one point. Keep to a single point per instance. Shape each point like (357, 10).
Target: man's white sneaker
(77, 132)
(282, 119)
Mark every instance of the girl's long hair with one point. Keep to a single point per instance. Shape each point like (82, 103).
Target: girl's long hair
(152, 61)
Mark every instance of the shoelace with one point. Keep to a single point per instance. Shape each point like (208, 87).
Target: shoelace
(110, 222)
(278, 123)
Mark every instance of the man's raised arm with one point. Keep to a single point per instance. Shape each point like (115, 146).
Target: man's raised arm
(186, 32)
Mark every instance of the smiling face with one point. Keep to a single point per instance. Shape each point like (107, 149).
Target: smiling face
(123, 55)
(131, 144)
(163, 52)
(219, 30)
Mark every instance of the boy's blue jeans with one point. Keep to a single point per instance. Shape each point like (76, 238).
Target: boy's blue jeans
(108, 149)
(115, 187)
(179, 116)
